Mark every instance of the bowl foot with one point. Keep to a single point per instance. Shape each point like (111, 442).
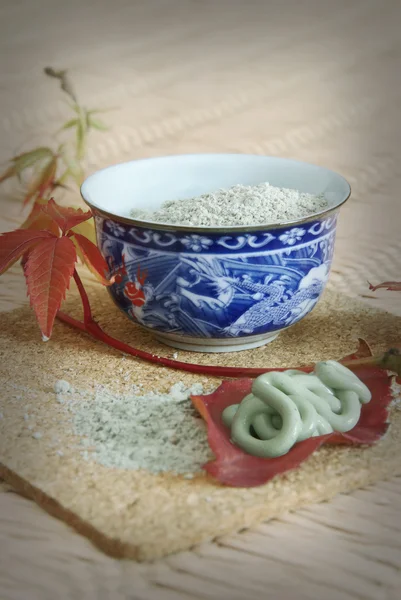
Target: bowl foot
(222, 345)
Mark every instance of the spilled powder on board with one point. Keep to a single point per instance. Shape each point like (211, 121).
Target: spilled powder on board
(156, 432)
(238, 205)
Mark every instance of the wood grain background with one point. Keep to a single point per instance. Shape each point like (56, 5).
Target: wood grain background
(309, 79)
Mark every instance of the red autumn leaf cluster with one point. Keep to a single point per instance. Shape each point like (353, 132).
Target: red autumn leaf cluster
(233, 467)
(48, 248)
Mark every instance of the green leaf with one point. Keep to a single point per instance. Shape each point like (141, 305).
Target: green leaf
(60, 184)
(96, 124)
(26, 160)
(29, 159)
(98, 111)
(69, 124)
(8, 173)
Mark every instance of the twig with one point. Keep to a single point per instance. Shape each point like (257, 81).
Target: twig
(65, 83)
(92, 328)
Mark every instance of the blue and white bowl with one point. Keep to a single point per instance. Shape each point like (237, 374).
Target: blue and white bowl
(213, 289)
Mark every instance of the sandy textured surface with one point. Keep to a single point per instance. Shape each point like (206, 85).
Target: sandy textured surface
(137, 514)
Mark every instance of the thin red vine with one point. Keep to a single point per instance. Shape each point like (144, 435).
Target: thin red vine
(84, 297)
(92, 328)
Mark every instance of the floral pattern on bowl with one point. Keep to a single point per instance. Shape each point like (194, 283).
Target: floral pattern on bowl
(217, 286)
(213, 289)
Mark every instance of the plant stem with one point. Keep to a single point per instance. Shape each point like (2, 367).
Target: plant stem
(84, 297)
(95, 331)
(389, 360)
(90, 327)
(63, 177)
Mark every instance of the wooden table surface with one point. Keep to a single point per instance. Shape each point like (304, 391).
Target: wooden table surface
(308, 79)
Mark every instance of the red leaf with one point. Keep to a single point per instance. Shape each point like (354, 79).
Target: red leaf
(48, 270)
(393, 286)
(372, 424)
(65, 216)
(14, 244)
(37, 219)
(234, 467)
(363, 351)
(93, 259)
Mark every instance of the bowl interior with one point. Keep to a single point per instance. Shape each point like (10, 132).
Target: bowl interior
(147, 183)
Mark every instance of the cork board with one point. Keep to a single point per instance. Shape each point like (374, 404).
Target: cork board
(139, 515)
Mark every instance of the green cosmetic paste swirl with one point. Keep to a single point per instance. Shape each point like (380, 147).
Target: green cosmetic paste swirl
(291, 406)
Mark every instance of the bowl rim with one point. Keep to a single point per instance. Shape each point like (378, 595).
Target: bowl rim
(211, 229)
